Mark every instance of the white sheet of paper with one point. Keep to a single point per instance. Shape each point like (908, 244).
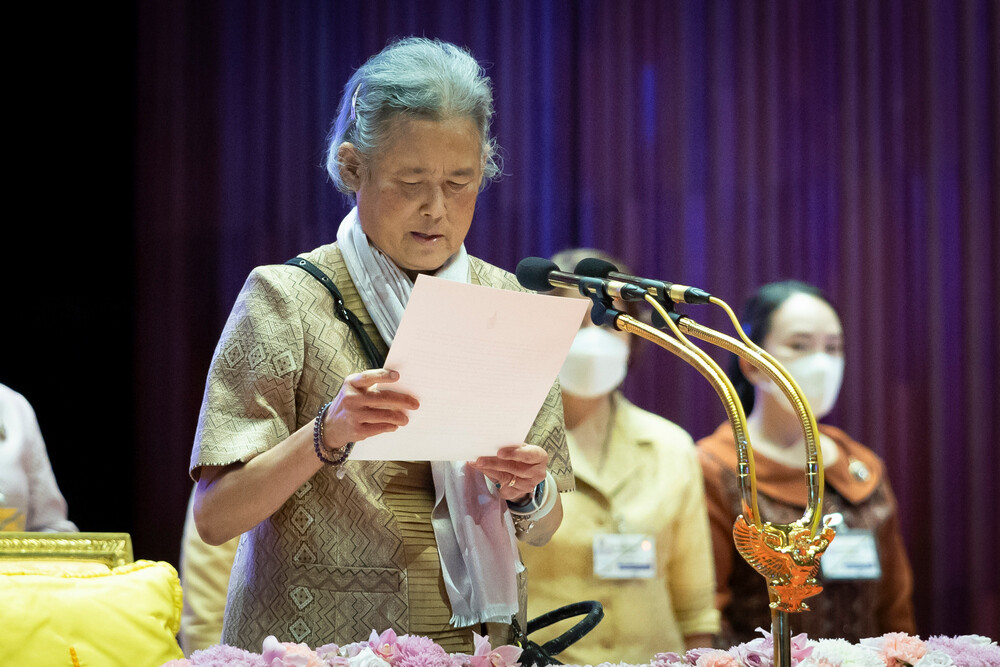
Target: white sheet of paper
(480, 360)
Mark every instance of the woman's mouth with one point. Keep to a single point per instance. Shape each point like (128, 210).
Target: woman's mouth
(425, 238)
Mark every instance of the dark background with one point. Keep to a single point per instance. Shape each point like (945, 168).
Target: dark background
(161, 150)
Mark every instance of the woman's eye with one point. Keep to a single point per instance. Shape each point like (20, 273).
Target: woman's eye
(457, 186)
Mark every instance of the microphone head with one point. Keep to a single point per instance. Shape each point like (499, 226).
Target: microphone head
(533, 273)
(594, 268)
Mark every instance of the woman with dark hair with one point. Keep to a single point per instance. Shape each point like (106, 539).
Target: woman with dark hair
(866, 576)
(635, 534)
(331, 547)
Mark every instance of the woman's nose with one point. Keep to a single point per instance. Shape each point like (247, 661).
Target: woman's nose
(434, 205)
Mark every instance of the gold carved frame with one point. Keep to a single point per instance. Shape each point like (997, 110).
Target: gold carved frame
(112, 549)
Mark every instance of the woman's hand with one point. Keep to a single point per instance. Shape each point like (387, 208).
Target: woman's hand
(517, 470)
(362, 410)
(223, 508)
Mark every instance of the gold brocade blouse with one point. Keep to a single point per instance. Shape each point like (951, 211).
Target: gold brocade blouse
(341, 557)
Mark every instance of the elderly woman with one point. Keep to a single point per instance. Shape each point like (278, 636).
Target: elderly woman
(332, 548)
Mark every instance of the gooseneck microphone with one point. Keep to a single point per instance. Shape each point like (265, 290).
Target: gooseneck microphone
(543, 275)
(757, 540)
(659, 289)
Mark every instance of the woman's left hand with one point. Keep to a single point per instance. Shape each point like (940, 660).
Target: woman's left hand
(516, 470)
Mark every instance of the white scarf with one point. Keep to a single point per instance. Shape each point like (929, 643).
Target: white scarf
(474, 533)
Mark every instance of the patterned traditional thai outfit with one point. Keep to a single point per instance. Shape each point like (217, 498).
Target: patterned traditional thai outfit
(344, 556)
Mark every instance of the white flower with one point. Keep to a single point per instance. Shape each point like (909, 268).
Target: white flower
(934, 659)
(978, 640)
(367, 658)
(845, 654)
(874, 642)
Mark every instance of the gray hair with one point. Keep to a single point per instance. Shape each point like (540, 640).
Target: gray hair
(418, 78)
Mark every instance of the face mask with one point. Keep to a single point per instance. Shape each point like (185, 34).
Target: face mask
(596, 364)
(819, 376)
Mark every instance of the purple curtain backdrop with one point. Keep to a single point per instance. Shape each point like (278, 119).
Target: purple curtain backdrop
(722, 144)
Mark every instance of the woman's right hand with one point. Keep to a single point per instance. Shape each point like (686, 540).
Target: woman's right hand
(364, 407)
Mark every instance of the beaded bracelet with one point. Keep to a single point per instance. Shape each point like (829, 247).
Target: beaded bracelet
(323, 452)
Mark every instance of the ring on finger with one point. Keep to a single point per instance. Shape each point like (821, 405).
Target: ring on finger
(513, 481)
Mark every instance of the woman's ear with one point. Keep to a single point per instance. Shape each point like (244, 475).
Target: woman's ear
(349, 161)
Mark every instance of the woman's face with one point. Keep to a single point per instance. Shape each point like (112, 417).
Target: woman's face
(806, 338)
(416, 200)
(804, 325)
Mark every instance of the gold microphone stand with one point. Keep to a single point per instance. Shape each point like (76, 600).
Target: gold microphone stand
(786, 555)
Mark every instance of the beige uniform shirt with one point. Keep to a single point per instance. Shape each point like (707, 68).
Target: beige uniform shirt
(650, 483)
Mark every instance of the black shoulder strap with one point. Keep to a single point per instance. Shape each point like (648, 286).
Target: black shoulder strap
(341, 311)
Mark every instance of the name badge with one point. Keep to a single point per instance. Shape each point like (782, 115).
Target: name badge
(624, 556)
(851, 555)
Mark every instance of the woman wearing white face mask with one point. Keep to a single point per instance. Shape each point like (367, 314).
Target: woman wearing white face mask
(866, 575)
(635, 532)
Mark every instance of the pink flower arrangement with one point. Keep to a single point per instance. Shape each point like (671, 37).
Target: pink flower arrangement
(381, 650)
(964, 651)
(716, 658)
(387, 649)
(897, 648)
(484, 656)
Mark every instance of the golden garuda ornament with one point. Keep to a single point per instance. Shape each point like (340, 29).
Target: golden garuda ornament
(789, 561)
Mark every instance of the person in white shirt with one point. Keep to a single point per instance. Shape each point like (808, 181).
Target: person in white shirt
(29, 496)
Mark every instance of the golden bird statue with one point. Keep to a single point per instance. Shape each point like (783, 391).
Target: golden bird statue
(786, 557)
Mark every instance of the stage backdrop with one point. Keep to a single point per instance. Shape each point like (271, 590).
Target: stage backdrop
(722, 144)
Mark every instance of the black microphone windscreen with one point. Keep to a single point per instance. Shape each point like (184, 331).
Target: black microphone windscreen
(533, 273)
(594, 268)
